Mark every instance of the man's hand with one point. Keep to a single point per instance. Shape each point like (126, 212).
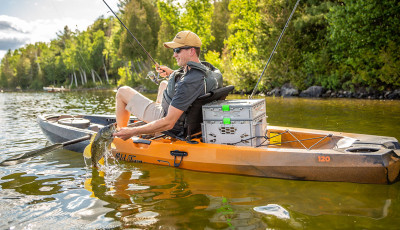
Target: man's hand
(160, 125)
(164, 71)
(125, 133)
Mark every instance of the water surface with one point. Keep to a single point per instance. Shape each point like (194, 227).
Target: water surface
(58, 190)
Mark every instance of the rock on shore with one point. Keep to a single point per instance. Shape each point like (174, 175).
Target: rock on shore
(313, 91)
(288, 90)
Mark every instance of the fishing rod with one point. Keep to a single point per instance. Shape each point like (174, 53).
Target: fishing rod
(150, 74)
(147, 53)
(273, 51)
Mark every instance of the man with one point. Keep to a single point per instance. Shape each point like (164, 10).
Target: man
(186, 84)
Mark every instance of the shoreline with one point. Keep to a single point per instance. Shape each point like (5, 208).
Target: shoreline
(284, 91)
(319, 92)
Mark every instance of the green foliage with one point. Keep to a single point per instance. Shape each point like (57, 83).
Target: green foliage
(364, 38)
(194, 15)
(169, 14)
(389, 61)
(111, 57)
(241, 51)
(197, 18)
(213, 57)
(6, 70)
(219, 25)
(142, 20)
(336, 44)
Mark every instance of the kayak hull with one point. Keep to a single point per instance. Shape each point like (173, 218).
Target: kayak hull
(365, 159)
(379, 168)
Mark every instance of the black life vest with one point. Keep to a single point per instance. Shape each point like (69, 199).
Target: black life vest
(212, 80)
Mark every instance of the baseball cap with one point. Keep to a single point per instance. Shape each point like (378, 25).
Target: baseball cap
(184, 38)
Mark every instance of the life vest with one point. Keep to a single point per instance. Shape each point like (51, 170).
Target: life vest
(212, 80)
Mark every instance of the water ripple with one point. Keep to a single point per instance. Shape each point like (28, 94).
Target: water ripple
(274, 210)
(57, 190)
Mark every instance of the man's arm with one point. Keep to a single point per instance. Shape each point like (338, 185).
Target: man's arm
(163, 124)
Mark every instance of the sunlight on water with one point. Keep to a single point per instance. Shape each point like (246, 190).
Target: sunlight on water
(61, 190)
(273, 209)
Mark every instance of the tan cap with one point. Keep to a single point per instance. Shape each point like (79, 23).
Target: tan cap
(184, 38)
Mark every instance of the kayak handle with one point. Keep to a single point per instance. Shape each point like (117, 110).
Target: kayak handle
(177, 153)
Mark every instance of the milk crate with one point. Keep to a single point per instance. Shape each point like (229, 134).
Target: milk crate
(234, 109)
(235, 132)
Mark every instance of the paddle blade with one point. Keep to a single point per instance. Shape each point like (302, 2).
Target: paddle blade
(14, 162)
(20, 158)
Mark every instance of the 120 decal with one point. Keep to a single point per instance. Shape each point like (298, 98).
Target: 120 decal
(324, 158)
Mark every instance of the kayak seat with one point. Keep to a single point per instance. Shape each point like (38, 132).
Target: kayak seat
(194, 114)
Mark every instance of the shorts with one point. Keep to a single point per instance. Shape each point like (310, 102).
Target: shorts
(145, 109)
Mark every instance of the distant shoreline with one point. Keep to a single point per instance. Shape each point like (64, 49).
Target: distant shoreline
(284, 92)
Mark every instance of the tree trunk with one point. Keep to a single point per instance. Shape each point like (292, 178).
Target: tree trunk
(38, 64)
(76, 82)
(80, 72)
(84, 75)
(101, 82)
(93, 77)
(72, 81)
(105, 71)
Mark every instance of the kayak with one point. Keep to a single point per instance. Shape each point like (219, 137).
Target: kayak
(289, 153)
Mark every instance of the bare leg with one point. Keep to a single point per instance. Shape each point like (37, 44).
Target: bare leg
(161, 88)
(124, 94)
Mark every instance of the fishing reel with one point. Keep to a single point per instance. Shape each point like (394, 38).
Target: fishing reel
(153, 77)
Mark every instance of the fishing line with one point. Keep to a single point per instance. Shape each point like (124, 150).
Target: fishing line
(150, 74)
(273, 51)
(147, 53)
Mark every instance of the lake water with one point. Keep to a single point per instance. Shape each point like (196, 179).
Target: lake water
(58, 190)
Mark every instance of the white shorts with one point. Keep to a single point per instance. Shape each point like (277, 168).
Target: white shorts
(144, 109)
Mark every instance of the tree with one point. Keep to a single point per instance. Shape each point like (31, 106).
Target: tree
(358, 32)
(219, 25)
(111, 49)
(6, 70)
(196, 17)
(170, 26)
(241, 64)
(139, 19)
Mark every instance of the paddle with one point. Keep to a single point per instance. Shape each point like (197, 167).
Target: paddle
(28, 155)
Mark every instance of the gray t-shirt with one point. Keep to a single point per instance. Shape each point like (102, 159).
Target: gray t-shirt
(188, 88)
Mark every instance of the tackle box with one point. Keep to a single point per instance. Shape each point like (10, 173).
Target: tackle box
(244, 109)
(235, 122)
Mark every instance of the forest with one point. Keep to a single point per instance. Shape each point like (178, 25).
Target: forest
(339, 45)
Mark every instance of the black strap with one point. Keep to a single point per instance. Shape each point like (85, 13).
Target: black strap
(177, 153)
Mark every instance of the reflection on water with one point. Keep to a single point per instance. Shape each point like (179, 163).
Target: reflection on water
(58, 190)
(273, 209)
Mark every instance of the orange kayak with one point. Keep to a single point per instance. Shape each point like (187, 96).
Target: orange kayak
(289, 153)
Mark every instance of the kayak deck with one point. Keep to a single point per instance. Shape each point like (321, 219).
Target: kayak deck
(287, 163)
(287, 153)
